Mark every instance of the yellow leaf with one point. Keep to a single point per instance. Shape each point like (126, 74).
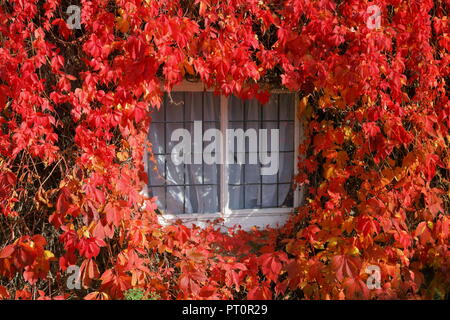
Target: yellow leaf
(348, 225)
(123, 24)
(354, 251)
(156, 233)
(302, 106)
(48, 254)
(348, 132)
(318, 245)
(188, 67)
(329, 170)
(333, 242)
(122, 156)
(388, 175)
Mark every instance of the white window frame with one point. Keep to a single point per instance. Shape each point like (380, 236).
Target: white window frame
(246, 218)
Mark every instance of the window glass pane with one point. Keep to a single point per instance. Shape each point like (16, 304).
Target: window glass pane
(286, 171)
(287, 132)
(269, 199)
(235, 109)
(270, 109)
(235, 174)
(202, 199)
(285, 195)
(252, 197)
(269, 178)
(175, 173)
(252, 173)
(252, 110)
(287, 106)
(194, 106)
(211, 107)
(175, 199)
(236, 194)
(236, 125)
(210, 174)
(157, 115)
(175, 108)
(194, 174)
(270, 125)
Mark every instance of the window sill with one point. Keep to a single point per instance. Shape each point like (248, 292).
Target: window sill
(246, 218)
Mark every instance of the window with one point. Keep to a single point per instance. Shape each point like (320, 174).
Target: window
(252, 147)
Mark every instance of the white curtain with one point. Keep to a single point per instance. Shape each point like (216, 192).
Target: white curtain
(184, 188)
(194, 188)
(247, 188)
